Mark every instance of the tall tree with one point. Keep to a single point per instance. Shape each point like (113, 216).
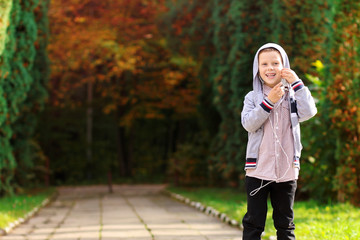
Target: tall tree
(115, 49)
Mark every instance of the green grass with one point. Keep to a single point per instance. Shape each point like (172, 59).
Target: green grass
(314, 221)
(15, 207)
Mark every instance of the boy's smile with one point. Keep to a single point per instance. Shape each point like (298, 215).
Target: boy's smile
(270, 75)
(270, 66)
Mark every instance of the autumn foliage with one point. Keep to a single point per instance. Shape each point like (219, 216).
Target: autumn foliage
(110, 57)
(116, 46)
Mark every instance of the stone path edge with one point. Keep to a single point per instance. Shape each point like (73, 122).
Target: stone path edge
(29, 215)
(205, 209)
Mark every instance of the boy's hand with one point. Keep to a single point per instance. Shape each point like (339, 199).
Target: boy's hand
(276, 93)
(289, 75)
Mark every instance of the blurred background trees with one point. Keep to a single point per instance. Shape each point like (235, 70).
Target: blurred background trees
(115, 83)
(145, 90)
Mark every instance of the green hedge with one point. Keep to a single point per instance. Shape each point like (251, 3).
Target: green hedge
(23, 69)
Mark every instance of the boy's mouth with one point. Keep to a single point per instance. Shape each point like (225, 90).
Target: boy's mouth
(270, 75)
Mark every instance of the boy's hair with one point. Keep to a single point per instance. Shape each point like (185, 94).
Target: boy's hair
(270, 49)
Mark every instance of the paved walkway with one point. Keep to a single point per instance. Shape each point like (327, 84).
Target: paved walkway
(138, 212)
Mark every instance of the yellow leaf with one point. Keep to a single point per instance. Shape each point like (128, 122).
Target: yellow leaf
(318, 64)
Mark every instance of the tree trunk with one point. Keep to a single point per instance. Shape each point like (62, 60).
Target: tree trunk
(89, 127)
(47, 172)
(110, 181)
(167, 145)
(120, 150)
(171, 139)
(130, 152)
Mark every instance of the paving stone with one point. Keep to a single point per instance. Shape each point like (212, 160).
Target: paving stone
(135, 233)
(13, 237)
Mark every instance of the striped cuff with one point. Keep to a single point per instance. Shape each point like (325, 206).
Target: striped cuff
(297, 85)
(250, 163)
(267, 105)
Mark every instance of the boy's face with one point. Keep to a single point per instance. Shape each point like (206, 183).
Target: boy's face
(270, 66)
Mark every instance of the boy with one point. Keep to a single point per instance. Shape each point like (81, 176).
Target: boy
(271, 115)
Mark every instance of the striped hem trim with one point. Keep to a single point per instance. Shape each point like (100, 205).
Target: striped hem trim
(297, 85)
(296, 162)
(249, 165)
(266, 105)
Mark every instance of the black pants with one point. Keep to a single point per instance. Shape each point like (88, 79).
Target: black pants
(282, 200)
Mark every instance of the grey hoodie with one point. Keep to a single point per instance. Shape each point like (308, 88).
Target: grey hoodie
(257, 109)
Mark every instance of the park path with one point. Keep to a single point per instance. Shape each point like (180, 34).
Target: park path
(133, 212)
